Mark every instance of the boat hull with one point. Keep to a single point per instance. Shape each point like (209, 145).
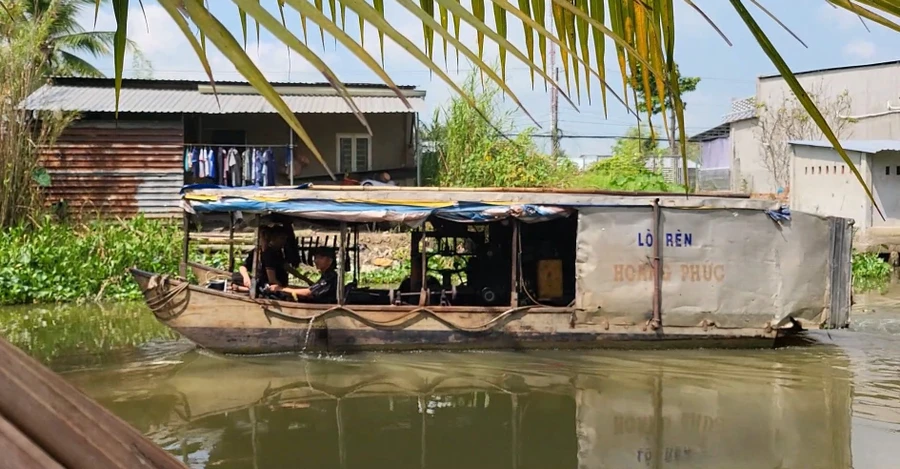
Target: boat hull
(231, 323)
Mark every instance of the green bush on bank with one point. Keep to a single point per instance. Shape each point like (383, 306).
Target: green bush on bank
(55, 262)
(870, 272)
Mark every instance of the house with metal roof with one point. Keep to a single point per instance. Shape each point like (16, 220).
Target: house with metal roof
(822, 183)
(733, 153)
(172, 132)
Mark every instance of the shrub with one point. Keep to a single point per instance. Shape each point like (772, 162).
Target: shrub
(870, 272)
(53, 262)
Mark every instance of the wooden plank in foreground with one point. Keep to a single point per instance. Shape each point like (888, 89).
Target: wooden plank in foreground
(70, 429)
(20, 452)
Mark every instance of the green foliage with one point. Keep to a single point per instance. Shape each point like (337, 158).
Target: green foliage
(626, 170)
(54, 333)
(636, 145)
(465, 150)
(53, 262)
(870, 272)
(685, 85)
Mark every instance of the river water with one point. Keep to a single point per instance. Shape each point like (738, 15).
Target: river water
(834, 404)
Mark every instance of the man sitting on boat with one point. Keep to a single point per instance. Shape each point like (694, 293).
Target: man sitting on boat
(323, 291)
(275, 267)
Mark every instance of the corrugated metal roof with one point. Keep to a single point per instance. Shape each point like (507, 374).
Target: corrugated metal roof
(862, 146)
(137, 100)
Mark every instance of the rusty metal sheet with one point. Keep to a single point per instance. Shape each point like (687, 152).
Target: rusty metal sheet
(117, 170)
(734, 268)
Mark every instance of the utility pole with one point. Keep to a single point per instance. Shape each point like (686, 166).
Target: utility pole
(554, 102)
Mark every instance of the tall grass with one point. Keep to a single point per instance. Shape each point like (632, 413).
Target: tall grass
(23, 133)
(467, 150)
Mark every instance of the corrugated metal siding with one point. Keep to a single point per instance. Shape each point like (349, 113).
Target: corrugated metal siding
(97, 168)
(103, 99)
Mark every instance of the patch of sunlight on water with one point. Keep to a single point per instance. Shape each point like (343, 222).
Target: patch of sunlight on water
(79, 334)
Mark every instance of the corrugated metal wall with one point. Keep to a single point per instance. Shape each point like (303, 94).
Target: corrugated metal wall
(117, 170)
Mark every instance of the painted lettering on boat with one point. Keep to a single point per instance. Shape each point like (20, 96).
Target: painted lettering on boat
(699, 272)
(676, 239)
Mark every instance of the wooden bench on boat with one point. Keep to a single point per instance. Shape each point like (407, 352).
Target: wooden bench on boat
(539, 269)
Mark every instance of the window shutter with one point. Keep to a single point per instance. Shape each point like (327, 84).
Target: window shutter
(346, 154)
(362, 154)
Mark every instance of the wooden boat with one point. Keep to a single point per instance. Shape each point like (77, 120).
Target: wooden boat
(543, 270)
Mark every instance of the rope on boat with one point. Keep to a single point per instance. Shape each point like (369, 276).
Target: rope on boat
(159, 303)
(399, 321)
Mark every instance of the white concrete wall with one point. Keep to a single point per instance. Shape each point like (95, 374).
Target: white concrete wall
(870, 90)
(887, 187)
(748, 173)
(821, 183)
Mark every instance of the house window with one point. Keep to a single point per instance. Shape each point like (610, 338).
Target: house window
(826, 170)
(354, 153)
(820, 170)
(843, 168)
(806, 170)
(887, 170)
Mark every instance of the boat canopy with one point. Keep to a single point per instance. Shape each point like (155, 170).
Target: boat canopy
(412, 206)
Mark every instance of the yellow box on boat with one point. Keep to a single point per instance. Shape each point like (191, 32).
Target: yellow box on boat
(550, 278)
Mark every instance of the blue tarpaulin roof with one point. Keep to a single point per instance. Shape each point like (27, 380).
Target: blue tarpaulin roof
(256, 200)
(413, 206)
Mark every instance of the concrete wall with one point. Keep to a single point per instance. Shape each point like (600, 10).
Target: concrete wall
(392, 145)
(870, 90)
(886, 187)
(823, 184)
(748, 173)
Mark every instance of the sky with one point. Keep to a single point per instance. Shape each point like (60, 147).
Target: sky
(834, 38)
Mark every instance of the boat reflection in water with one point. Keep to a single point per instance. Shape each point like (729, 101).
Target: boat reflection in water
(753, 409)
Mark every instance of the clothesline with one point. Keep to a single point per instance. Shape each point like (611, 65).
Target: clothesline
(228, 166)
(229, 145)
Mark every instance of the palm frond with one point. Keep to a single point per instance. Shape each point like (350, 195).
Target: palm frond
(642, 33)
(68, 64)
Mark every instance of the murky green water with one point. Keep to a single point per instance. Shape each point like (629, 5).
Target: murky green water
(834, 405)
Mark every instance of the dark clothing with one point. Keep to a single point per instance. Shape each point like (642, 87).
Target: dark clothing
(325, 290)
(272, 258)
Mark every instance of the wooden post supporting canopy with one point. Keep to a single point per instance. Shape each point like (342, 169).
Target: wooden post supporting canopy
(514, 274)
(231, 241)
(339, 258)
(257, 259)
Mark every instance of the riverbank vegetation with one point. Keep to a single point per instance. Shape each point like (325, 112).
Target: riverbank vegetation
(870, 272)
(49, 261)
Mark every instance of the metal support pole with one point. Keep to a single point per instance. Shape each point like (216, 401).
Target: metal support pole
(342, 252)
(514, 274)
(185, 245)
(423, 297)
(656, 322)
(231, 242)
(291, 154)
(257, 259)
(418, 144)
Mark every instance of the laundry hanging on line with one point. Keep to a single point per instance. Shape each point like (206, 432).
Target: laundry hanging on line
(229, 166)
